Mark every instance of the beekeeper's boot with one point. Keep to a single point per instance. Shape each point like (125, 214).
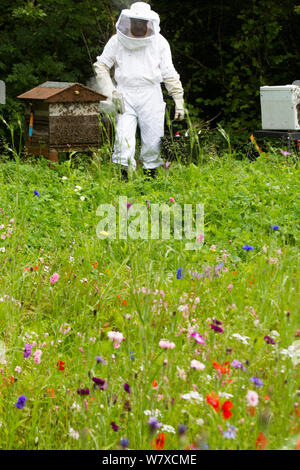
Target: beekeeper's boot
(150, 172)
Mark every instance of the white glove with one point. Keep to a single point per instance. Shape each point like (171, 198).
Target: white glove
(174, 87)
(104, 82)
(179, 109)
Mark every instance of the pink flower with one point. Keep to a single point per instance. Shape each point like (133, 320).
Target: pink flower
(166, 344)
(197, 365)
(230, 286)
(18, 369)
(252, 398)
(37, 356)
(199, 339)
(54, 278)
(117, 338)
(171, 199)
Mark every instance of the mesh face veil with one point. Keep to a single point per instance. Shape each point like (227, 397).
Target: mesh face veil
(125, 29)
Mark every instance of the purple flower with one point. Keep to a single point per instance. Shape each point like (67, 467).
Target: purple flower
(126, 388)
(114, 426)
(215, 325)
(285, 152)
(274, 227)
(257, 382)
(21, 402)
(269, 340)
(99, 359)
(237, 365)
(166, 165)
(124, 443)
(230, 432)
(36, 193)
(198, 338)
(83, 391)
(182, 429)
(153, 423)
(248, 248)
(27, 350)
(101, 383)
(128, 205)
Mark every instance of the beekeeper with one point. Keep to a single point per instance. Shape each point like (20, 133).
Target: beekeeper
(142, 60)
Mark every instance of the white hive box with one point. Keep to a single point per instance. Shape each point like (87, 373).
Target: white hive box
(280, 107)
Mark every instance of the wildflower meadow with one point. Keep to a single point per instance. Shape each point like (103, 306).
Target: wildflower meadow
(110, 344)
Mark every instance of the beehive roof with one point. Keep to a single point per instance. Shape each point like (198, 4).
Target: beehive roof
(53, 92)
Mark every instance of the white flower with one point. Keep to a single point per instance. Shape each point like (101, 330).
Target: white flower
(225, 395)
(243, 339)
(156, 413)
(76, 406)
(83, 198)
(77, 188)
(197, 365)
(293, 352)
(2, 352)
(200, 422)
(274, 334)
(2, 249)
(167, 428)
(193, 396)
(64, 178)
(74, 434)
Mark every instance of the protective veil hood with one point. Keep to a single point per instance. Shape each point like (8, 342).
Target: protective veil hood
(142, 11)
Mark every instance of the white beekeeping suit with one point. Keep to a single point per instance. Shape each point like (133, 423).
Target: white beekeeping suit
(142, 62)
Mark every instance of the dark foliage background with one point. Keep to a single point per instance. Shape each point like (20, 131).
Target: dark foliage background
(224, 50)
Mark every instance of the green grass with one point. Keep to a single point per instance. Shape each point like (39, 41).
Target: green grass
(100, 289)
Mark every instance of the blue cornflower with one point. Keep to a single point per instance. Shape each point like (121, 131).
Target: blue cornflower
(36, 193)
(180, 273)
(230, 432)
(237, 365)
(182, 429)
(153, 423)
(248, 248)
(274, 227)
(99, 359)
(21, 402)
(132, 355)
(257, 382)
(124, 443)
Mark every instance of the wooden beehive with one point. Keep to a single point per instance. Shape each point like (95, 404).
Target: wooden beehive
(61, 117)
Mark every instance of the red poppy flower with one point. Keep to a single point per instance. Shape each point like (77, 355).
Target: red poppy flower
(224, 369)
(261, 441)
(60, 365)
(213, 400)
(159, 443)
(227, 405)
(154, 383)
